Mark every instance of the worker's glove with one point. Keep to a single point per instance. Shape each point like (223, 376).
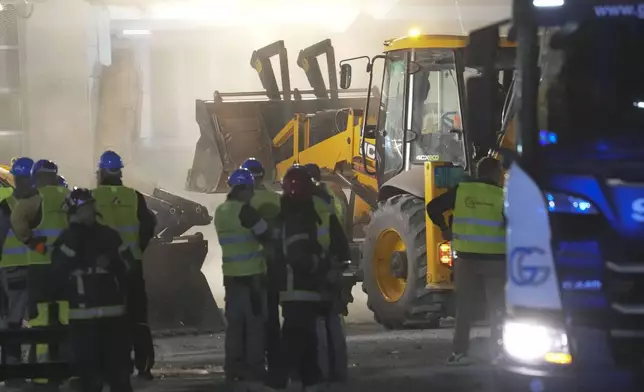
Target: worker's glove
(447, 234)
(38, 244)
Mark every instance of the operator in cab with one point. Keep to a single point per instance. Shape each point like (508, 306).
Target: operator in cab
(13, 254)
(37, 221)
(267, 204)
(309, 242)
(241, 230)
(125, 210)
(90, 265)
(478, 240)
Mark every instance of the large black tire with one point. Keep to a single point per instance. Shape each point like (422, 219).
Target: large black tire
(417, 307)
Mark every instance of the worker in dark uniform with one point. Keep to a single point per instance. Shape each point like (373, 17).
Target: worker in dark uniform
(478, 240)
(90, 264)
(13, 253)
(306, 296)
(37, 221)
(125, 210)
(267, 204)
(241, 232)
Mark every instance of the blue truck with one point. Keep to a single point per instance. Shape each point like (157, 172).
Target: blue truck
(574, 318)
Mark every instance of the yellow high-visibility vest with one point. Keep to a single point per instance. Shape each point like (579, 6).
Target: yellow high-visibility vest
(478, 225)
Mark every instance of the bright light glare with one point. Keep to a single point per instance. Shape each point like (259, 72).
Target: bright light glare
(414, 32)
(137, 32)
(548, 3)
(525, 341)
(639, 105)
(529, 341)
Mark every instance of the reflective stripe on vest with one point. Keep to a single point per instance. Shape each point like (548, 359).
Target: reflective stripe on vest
(14, 252)
(267, 204)
(324, 232)
(290, 294)
(97, 312)
(118, 206)
(478, 225)
(52, 223)
(242, 254)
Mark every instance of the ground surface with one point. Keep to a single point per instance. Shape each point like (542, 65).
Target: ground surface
(379, 360)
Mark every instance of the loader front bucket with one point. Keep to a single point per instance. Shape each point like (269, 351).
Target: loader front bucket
(179, 297)
(231, 132)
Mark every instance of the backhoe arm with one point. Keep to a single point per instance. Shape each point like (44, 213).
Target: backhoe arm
(261, 62)
(308, 61)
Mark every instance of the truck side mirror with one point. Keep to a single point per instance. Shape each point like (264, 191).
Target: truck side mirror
(345, 76)
(370, 131)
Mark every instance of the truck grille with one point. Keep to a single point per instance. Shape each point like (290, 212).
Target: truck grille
(602, 280)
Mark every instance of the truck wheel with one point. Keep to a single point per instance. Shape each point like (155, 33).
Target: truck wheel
(394, 263)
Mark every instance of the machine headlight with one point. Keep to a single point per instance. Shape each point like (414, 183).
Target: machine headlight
(566, 204)
(533, 342)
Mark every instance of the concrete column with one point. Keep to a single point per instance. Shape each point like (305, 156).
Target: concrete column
(61, 75)
(119, 112)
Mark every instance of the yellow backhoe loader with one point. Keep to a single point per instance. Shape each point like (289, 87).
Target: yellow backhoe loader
(387, 169)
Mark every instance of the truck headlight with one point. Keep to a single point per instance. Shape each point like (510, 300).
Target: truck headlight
(533, 342)
(566, 204)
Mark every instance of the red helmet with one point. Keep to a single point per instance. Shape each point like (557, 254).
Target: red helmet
(297, 183)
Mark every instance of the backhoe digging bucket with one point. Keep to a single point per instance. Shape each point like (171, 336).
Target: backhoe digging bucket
(179, 297)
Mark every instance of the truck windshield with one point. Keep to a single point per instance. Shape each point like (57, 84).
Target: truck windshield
(591, 95)
(435, 108)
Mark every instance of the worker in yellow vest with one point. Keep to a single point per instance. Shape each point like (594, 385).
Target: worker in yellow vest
(322, 200)
(323, 192)
(13, 253)
(125, 210)
(478, 241)
(241, 231)
(37, 221)
(267, 204)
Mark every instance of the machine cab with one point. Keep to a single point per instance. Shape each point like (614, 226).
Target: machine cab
(422, 109)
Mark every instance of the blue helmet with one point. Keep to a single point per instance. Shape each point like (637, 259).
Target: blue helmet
(110, 161)
(254, 166)
(44, 166)
(21, 167)
(241, 177)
